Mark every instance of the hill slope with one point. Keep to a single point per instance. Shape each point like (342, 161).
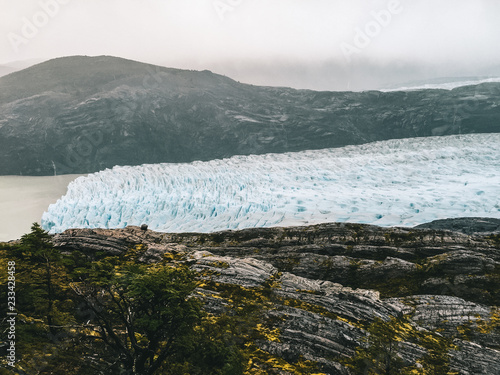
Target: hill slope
(84, 114)
(331, 281)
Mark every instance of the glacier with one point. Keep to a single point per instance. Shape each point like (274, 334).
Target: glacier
(401, 182)
(445, 85)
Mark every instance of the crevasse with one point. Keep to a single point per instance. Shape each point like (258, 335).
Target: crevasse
(398, 182)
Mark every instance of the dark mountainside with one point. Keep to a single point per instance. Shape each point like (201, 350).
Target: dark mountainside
(84, 114)
(330, 281)
(467, 225)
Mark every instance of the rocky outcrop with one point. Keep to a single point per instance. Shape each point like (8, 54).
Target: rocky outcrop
(327, 283)
(452, 316)
(471, 359)
(467, 225)
(84, 114)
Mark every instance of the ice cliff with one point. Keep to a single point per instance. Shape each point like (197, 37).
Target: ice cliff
(398, 182)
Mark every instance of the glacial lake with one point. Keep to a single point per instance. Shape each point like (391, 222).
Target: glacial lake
(23, 200)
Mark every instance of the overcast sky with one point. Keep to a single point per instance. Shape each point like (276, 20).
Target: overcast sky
(318, 44)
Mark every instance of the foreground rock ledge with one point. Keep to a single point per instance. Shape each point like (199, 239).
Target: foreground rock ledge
(351, 274)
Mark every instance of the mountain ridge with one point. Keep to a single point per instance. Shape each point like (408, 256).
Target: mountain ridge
(85, 114)
(75, 72)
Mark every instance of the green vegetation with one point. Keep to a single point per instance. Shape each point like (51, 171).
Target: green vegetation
(479, 326)
(97, 313)
(111, 314)
(494, 239)
(380, 354)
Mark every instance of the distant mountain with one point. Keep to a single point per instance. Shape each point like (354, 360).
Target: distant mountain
(84, 114)
(446, 83)
(14, 66)
(4, 70)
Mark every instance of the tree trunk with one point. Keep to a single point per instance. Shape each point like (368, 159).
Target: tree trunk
(50, 298)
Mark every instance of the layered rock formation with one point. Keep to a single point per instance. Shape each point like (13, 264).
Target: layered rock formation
(467, 225)
(83, 114)
(327, 283)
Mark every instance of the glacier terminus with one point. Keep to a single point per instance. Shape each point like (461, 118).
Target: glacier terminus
(401, 182)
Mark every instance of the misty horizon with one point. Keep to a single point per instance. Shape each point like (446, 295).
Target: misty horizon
(320, 45)
(325, 77)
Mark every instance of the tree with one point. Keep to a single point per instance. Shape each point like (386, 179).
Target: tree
(113, 314)
(380, 356)
(43, 305)
(384, 343)
(142, 314)
(40, 256)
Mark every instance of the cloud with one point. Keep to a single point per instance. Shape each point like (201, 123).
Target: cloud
(235, 34)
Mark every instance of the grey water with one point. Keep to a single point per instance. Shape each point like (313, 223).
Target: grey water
(23, 199)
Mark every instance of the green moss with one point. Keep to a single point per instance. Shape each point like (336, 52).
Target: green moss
(316, 309)
(288, 264)
(399, 238)
(219, 264)
(380, 355)
(396, 287)
(494, 239)
(216, 238)
(327, 263)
